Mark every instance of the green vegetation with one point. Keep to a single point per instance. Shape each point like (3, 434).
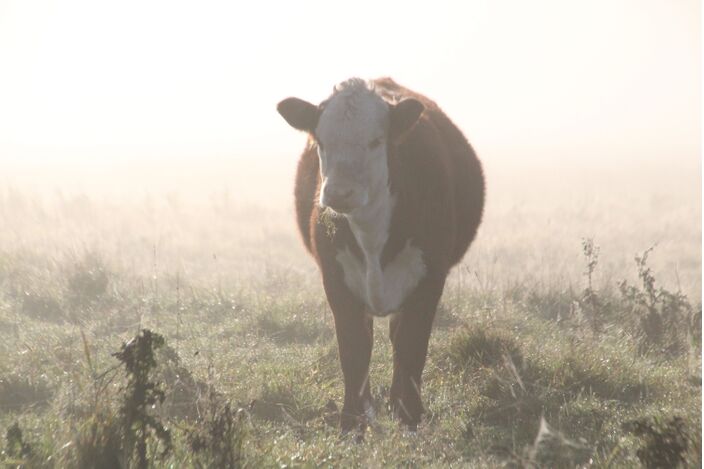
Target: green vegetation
(158, 335)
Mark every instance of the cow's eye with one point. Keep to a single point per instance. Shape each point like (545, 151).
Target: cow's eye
(374, 143)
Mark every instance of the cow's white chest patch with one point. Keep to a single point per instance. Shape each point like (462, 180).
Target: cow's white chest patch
(383, 291)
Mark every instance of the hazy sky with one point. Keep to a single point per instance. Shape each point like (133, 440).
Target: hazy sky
(94, 81)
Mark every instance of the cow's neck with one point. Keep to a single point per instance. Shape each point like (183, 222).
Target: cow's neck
(382, 290)
(370, 224)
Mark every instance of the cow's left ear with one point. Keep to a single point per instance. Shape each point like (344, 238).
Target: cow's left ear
(300, 114)
(403, 117)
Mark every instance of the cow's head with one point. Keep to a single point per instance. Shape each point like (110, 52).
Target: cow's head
(353, 130)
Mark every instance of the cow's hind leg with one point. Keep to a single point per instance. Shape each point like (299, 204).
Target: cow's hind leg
(355, 338)
(410, 333)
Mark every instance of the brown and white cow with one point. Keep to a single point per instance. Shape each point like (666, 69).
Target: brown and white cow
(389, 196)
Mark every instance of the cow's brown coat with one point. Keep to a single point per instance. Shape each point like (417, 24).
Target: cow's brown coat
(438, 186)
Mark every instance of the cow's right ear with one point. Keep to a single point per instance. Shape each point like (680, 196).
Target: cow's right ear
(300, 114)
(404, 116)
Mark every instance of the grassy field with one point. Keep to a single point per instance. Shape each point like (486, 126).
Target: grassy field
(553, 347)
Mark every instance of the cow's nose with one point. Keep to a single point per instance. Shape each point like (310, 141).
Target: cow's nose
(338, 200)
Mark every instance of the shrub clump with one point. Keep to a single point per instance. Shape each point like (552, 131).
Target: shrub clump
(17, 451)
(138, 357)
(99, 442)
(607, 377)
(291, 330)
(514, 397)
(276, 402)
(18, 393)
(218, 440)
(120, 437)
(87, 281)
(477, 345)
(664, 318)
(42, 306)
(665, 443)
(182, 389)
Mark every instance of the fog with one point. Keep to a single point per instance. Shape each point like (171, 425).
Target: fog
(146, 196)
(131, 98)
(572, 108)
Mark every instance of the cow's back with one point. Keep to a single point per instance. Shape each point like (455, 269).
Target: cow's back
(464, 172)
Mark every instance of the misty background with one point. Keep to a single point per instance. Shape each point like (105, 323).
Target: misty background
(139, 97)
(157, 121)
(146, 182)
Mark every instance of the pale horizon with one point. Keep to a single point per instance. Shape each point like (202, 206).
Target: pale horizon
(98, 93)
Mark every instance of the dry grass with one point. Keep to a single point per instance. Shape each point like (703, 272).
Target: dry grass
(250, 369)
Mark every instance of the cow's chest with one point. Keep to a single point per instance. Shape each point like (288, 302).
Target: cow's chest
(382, 291)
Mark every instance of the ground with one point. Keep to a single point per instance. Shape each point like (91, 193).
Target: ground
(533, 361)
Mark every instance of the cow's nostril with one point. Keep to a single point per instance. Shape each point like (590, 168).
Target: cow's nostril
(338, 200)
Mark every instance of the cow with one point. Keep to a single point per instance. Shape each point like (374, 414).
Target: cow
(388, 195)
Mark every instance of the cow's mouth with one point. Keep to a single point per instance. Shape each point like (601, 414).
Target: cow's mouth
(342, 209)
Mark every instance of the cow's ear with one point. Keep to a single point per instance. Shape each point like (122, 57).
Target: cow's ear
(404, 115)
(300, 114)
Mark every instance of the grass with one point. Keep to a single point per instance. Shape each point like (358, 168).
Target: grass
(541, 356)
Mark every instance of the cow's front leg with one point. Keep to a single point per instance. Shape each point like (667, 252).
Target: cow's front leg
(355, 337)
(410, 332)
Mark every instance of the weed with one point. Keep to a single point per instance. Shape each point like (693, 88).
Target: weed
(182, 389)
(218, 440)
(664, 442)
(138, 357)
(17, 451)
(664, 317)
(589, 303)
(118, 437)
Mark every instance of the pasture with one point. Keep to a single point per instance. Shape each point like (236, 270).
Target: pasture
(535, 325)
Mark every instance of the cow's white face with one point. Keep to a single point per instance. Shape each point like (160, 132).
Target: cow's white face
(351, 136)
(352, 130)
(355, 129)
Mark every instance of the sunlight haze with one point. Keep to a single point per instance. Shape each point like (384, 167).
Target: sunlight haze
(188, 281)
(95, 87)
